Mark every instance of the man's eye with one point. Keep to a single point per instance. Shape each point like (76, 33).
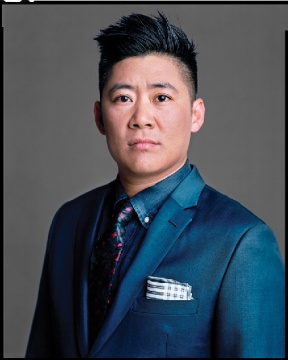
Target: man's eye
(122, 98)
(162, 98)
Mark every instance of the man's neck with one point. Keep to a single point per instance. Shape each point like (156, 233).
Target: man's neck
(132, 185)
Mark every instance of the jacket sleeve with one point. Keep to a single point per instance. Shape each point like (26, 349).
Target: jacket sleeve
(40, 343)
(250, 309)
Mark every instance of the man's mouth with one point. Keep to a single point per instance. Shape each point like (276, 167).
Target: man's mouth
(143, 144)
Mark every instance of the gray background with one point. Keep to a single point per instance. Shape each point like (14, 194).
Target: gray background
(53, 152)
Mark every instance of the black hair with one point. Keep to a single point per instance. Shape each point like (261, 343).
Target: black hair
(138, 35)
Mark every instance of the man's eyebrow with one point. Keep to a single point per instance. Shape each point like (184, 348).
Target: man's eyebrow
(120, 86)
(162, 85)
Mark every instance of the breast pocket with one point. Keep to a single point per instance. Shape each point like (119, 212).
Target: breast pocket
(165, 307)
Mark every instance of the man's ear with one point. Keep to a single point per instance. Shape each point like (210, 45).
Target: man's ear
(198, 113)
(98, 118)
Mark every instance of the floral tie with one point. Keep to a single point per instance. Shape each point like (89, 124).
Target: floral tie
(106, 254)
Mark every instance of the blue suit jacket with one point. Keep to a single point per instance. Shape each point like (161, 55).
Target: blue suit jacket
(201, 237)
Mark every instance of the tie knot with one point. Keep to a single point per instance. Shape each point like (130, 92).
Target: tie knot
(124, 212)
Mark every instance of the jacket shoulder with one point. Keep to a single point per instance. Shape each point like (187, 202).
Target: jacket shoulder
(226, 209)
(75, 206)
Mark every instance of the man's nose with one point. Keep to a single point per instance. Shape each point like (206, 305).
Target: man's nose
(142, 116)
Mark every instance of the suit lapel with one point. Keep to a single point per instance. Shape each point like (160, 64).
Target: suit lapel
(87, 226)
(170, 221)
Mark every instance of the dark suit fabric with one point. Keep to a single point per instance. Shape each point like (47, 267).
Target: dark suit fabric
(228, 255)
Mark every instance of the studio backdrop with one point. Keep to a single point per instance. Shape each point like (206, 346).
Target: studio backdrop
(53, 151)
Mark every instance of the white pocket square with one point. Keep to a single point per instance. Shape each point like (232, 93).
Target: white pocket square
(167, 289)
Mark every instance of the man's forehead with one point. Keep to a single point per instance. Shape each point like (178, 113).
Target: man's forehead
(125, 76)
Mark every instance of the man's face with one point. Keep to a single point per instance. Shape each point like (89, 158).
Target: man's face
(148, 116)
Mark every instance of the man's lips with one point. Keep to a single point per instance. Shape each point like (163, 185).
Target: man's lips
(141, 144)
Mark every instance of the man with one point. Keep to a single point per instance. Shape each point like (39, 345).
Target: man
(191, 273)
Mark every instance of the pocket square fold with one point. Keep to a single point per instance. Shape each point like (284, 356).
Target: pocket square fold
(167, 289)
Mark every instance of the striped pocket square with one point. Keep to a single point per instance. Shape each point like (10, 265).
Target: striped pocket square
(167, 289)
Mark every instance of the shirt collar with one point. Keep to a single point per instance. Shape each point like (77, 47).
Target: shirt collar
(148, 201)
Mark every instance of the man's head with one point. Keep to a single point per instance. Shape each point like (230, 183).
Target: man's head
(139, 35)
(148, 107)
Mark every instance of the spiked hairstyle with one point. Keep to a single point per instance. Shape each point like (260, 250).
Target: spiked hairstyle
(139, 35)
